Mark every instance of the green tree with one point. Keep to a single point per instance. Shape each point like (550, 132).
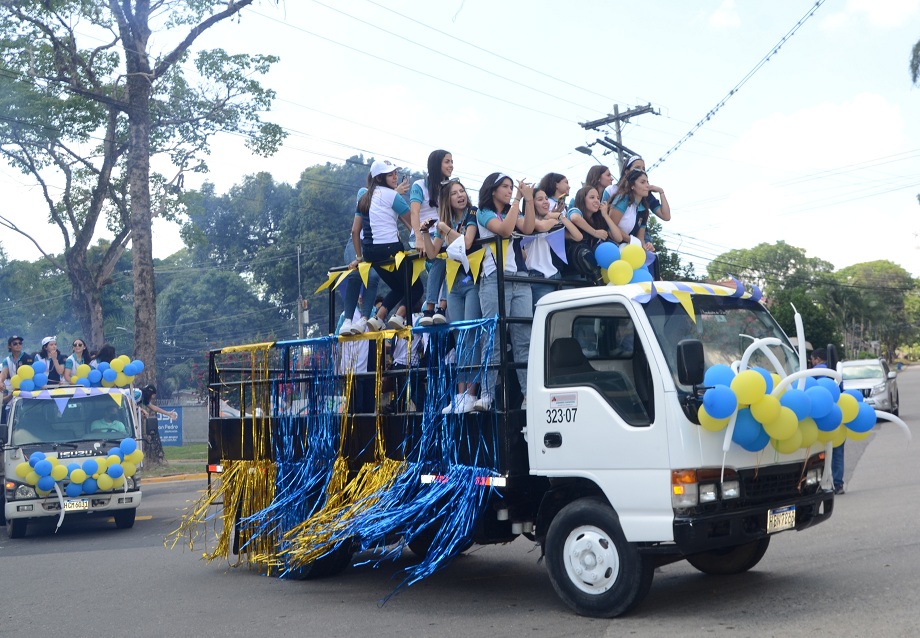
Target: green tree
(820, 327)
(773, 267)
(125, 105)
(672, 268)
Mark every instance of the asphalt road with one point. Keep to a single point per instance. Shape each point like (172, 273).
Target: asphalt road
(856, 575)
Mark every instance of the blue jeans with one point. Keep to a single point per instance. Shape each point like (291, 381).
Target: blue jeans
(463, 304)
(538, 291)
(518, 303)
(837, 466)
(353, 286)
(437, 272)
(396, 280)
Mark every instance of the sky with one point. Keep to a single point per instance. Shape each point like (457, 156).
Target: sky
(819, 147)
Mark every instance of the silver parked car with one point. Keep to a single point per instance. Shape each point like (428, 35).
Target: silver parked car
(877, 382)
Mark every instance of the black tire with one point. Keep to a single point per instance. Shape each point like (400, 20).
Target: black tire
(332, 564)
(421, 542)
(730, 560)
(2, 505)
(592, 567)
(16, 527)
(897, 404)
(124, 519)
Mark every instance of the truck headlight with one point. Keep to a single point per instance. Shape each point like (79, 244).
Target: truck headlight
(25, 491)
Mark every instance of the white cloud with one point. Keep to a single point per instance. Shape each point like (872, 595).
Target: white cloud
(884, 14)
(725, 17)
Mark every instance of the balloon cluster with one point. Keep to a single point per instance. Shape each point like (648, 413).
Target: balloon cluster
(99, 474)
(621, 265)
(119, 373)
(786, 419)
(30, 377)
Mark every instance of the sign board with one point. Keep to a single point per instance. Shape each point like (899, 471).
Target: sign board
(170, 429)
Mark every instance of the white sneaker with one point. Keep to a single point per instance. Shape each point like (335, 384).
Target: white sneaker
(359, 326)
(346, 329)
(375, 324)
(438, 317)
(483, 403)
(396, 322)
(461, 404)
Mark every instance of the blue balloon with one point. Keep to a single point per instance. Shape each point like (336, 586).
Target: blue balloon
(90, 467)
(821, 401)
(865, 419)
(45, 483)
(90, 486)
(35, 457)
(26, 385)
(94, 376)
(747, 429)
(606, 253)
(73, 489)
(856, 394)
(830, 421)
(43, 467)
(115, 470)
(103, 366)
(720, 401)
(117, 452)
(766, 375)
(129, 370)
(83, 382)
(719, 374)
(128, 446)
(797, 401)
(71, 467)
(109, 375)
(641, 274)
(39, 367)
(810, 382)
(40, 379)
(831, 386)
(138, 365)
(759, 443)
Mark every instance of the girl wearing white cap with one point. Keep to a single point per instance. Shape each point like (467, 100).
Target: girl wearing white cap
(381, 207)
(54, 359)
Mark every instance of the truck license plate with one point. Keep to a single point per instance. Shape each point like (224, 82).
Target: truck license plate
(76, 505)
(780, 518)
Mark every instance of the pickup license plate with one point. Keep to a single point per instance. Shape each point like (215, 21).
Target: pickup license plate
(76, 505)
(780, 518)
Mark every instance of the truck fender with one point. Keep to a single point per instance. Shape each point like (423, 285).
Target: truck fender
(562, 492)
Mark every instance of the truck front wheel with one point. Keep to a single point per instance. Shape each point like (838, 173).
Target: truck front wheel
(593, 568)
(731, 560)
(16, 527)
(124, 519)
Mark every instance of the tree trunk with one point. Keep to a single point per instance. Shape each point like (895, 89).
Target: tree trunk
(86, 299)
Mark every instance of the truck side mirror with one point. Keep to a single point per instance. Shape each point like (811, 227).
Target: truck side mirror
(690, 363)
(832, 357)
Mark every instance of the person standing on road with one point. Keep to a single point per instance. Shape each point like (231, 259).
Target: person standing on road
(148, 407)
(819, 360)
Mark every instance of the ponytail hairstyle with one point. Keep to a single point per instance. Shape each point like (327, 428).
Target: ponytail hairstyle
(445, 211)
(486, 200)
(364, 204)
(435, 176)
(595, 220)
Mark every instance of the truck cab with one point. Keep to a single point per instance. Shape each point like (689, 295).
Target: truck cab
(68, 426)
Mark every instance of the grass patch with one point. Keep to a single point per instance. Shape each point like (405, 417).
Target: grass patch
(183, 459)
(196, 451)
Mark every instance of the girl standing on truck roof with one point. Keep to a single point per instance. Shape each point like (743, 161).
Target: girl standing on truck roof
(78, 357)
(381, 207)
(457, 227)
(630, 208)
(423, 203)
(539, 257)
(54, 359)
(556, 186)
(499, 216)
(589, 215)
(600, 178)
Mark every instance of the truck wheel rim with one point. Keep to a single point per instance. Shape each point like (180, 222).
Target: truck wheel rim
(591, 559)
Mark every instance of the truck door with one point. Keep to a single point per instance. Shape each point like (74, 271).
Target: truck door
(598, 411)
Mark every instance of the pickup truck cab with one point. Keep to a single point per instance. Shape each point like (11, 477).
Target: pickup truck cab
(75, 427)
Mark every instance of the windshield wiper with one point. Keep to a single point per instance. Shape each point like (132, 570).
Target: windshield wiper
(53, 444)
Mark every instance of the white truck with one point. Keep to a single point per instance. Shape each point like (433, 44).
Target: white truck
(68, 426)
(606, 468)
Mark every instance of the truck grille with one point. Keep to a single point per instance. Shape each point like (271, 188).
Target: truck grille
(769, 484)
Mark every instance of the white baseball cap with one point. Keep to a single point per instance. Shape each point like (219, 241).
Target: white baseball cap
(382, 167)
(48, 340)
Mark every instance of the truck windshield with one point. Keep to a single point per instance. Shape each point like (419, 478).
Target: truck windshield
(725, 325)
(68, 419)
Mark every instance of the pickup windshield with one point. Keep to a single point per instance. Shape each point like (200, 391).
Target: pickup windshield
(69, 419)
(725, 325)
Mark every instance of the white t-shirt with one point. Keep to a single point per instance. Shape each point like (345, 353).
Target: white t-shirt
(380, 223)
(539, 256)
(483, 216)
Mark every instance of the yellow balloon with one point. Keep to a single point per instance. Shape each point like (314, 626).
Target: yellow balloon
(25, 372)
(118, 483)
(766, 409)
(32, 478)
(83, 370)
(784, 426)
(59, 472)
(125, 358)
(135, 457)
(788, 446)
(77, 476)
(749, 387)
(15, 381)
(129, 468)
(839, 436)
(857, 436)
(709, 423)
(107, 384)
(809, 430)
(605, 276)
(53, 460)
(122, 380)
(633, 255)
(849, 406)
(23, 469)
(117, 365)
(103, 464)
(619, 272)
(112, 459)
(42, 493)
(105, 482)
(824, 437)
(776, 379)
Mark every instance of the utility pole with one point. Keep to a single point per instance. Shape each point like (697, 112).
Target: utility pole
(617, 119)
(299, 298)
